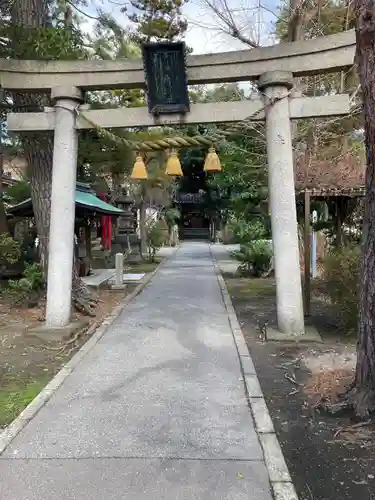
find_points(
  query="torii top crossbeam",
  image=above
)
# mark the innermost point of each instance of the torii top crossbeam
(306, 57)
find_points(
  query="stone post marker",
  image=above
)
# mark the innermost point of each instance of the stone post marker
(118, 283)
(61, 242)
(119, 277)
(274, 85)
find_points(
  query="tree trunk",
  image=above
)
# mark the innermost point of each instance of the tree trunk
(38, 147)
(4, 227)
(116, 191)
(39, 154)
(365, 58)
(339, 223)
(142, 227)
(297, 9)
(82, 298)
(360, 396)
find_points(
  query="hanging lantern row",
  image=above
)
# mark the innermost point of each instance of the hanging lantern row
(173, 165)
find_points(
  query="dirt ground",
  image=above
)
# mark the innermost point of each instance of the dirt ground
(27, 363)
(328, 458)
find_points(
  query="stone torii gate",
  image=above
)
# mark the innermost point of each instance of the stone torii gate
(272, 67)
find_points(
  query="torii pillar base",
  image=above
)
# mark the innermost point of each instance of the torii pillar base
(49, 334)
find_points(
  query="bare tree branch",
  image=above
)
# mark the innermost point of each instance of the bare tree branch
(241, 22)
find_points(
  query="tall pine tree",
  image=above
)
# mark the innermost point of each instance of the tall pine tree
(157, 20)
(36, 32)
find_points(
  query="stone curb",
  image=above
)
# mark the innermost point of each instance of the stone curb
(15, 427)
(281, 482)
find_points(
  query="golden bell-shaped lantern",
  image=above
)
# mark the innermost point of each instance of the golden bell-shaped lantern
(173, 166)
(212, 162)
(139, 171)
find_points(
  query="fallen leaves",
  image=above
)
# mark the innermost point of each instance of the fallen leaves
(327, 384)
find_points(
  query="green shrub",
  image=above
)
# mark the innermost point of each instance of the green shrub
(341, 282)
(10, 250)
(19, 287)
(245, 231)
(34, 274)
(255, 258)
(26, 289)
(157, 231)
(172, 216)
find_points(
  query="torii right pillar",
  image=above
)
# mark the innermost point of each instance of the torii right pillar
(275, 89)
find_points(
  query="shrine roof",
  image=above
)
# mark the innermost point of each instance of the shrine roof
(86, 202)
(343, 175)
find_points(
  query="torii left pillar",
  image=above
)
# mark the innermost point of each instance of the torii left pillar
(61, 234)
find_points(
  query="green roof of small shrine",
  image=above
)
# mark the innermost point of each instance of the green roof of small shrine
(86, 201)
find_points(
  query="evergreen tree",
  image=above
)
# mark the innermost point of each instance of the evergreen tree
(361, 394)
(157, 20)
(32, 34)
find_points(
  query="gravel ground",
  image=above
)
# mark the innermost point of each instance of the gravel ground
(328, 458)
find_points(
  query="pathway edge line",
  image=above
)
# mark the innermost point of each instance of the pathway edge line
(279, 476)
(19, 423)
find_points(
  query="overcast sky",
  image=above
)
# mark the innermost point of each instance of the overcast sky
(204, 34)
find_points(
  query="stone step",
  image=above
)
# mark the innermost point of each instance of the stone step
(129, 278)
(194, 233)
(99, 278)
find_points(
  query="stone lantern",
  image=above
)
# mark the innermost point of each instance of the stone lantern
(126, 226)
(126, 222)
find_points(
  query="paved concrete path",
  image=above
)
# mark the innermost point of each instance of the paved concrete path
(156, 410)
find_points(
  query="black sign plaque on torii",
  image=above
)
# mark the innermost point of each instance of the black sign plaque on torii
(166, 78)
